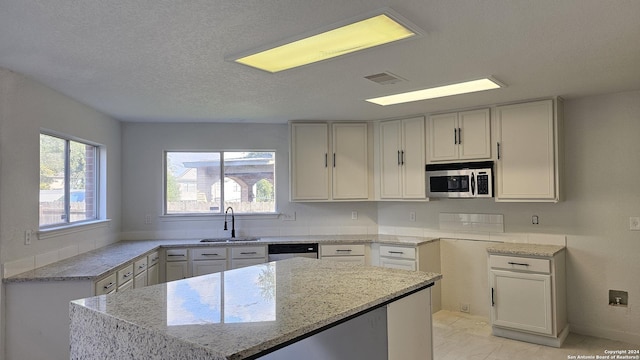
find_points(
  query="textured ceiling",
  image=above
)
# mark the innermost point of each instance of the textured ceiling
(161, 60)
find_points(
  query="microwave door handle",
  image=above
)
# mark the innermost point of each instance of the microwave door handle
(473, 184)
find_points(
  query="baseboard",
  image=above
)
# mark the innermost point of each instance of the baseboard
(532, 338)
(617, 335)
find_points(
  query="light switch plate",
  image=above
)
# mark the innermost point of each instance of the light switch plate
(634, 223)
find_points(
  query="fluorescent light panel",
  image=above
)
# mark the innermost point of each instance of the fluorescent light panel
(437, 92)
(356, 36)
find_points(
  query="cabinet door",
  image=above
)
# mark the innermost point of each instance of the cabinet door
(238, 263)
(140, 280)
(521, 301)
(203, 267)
(413, 159)
(443, 137)
(177, 270)
(350, 161)
(309, 161)
(153, 275)
(390, 158)
(474, 134)
(526, 152)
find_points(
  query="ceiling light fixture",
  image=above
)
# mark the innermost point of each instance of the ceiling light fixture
(437, 92)
(373, 29)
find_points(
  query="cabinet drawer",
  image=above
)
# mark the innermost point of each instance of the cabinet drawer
(520, 263)
(176, 255)
(106, 285)
(140, 266)
(125, 274)
(249, 252)
(209, 253)
(398, 264)
(341, 250)
(398, 252)
(153, 259)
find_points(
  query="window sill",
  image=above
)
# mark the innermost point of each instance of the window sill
(208, 217)
(70, 229)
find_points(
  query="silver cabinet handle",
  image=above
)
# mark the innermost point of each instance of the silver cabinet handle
(396, 252)
(455, 136)
(398, 157)
(344, 250)
(248, 253)
(109, 285)
(175, 255)
(402, 157)
(334, 159)
(142, 266)
(127, 275)
(210, 255)
(325, 159)
(459, 135)
(498, 151)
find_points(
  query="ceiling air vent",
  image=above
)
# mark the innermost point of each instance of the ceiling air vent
(385, 78)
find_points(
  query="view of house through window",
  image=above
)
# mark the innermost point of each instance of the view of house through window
(193, 182)
(68, 181)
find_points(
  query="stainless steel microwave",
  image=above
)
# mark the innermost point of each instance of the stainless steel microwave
(464, 180)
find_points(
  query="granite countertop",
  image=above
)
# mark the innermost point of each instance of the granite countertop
(98, 263)
(243, 312)
(525, 249)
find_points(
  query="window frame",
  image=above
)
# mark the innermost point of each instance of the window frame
(221, 209)
(97, 176)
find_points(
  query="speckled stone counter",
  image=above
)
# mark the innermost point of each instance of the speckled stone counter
(237, 314)
(525, 249)
(95, 264)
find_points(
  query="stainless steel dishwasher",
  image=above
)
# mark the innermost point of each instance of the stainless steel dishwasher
(286, 251)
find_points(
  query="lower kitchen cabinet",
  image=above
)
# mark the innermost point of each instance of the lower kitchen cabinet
(208, 260)
(528, 298)
(242, 256)
(420, 257)
(351, 253)
(176, 264)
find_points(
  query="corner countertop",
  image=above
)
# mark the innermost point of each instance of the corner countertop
(98, 263)
(239, 313)
(525, 249)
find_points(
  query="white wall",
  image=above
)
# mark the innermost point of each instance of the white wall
(144, 144)
(25, 108)
(601, 191)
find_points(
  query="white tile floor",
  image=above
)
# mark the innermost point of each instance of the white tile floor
(461, 336)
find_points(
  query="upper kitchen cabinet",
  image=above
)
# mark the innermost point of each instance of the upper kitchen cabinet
(329, 161)
(527, 151)
(460, 136)
(402, 159)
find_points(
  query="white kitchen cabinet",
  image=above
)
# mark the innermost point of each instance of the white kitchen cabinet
(527, 148)
(460, 136)
(242, 256)
(125, 278)
(176, 264)
(329, 161)
(424, 256)
(106, 285)
(140, 273)
(351, 253)
(527, 298)
(208, 260)
(402, 159)
(153, 268)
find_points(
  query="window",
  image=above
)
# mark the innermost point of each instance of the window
(209, 182)
(68, 181)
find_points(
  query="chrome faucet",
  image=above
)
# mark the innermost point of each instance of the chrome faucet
(233, 221)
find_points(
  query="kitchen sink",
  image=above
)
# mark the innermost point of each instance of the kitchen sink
(228, 239)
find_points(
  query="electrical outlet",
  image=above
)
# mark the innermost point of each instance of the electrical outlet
(535, 220)
(288, 217)
(634, 223)
(465, 308)
(27, 237)
(354, 215)
(412, 216)
(147, 219)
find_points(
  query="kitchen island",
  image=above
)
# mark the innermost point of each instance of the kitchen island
(275, 310)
